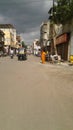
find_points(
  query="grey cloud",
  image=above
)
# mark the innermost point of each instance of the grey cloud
(25, 15)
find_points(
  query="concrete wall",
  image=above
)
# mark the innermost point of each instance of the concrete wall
(71, 44)
(69, 27)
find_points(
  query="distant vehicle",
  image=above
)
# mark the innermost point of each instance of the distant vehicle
(22, 54)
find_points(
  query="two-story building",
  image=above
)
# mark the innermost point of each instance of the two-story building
(44, 35)
(36, 47)
(64, 41)
(10, 34)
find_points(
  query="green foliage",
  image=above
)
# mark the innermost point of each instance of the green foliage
(23, 44)
(63, 11)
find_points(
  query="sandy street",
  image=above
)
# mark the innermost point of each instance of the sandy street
(35, 96)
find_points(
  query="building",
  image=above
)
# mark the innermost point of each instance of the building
(45, 39)
(64, 41)
(1, 41)
(36, 47)
(18, 41)
(18, 38)
(10, 34)
(44, 33)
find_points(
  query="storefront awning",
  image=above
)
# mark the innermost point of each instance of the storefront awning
(62, 39)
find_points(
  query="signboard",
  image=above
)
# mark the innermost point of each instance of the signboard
(62, 39)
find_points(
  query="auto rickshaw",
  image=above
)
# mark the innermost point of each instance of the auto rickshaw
(22, 53)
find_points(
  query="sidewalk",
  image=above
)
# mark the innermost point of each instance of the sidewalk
(61, 64)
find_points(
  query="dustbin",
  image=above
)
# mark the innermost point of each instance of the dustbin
(71, 59)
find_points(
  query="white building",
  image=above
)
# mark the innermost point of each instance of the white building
(36, 47)
(44, 33)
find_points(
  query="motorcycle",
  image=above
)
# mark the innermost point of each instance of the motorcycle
(11, 56)
(11, 53)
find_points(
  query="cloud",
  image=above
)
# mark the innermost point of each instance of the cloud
(30, 35)
(25, 15)
(1, 18)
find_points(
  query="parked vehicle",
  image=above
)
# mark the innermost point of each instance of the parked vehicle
(22, 54)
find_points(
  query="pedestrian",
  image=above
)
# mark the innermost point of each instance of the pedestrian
(43, 56)
(11, 53)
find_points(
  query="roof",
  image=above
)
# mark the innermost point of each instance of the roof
(6, 26)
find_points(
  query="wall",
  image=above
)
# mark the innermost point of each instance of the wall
(10, 36)
(6, 36)
(71, 44)
(44, 33)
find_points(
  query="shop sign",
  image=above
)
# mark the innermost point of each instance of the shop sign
(62, 39)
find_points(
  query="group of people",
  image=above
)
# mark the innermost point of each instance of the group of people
(52, 58)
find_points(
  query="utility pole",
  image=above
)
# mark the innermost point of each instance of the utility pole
(54, 33)
(53, 7)
(52, 28)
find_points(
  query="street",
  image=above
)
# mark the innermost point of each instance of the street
(35, 96)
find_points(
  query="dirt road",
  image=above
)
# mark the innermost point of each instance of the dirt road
(35, 96)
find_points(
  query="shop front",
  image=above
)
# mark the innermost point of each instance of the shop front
(62, 43)
(1, 42)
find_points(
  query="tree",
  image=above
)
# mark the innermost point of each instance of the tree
(60, 13)
(63, 11)
(23, 44)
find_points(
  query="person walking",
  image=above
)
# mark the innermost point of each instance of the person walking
(43, 56)
(11, 53)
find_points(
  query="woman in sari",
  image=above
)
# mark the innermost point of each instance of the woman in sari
(43, 56)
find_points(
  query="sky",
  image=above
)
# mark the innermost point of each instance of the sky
(26, 16)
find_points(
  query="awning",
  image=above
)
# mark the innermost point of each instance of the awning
(62, 39)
